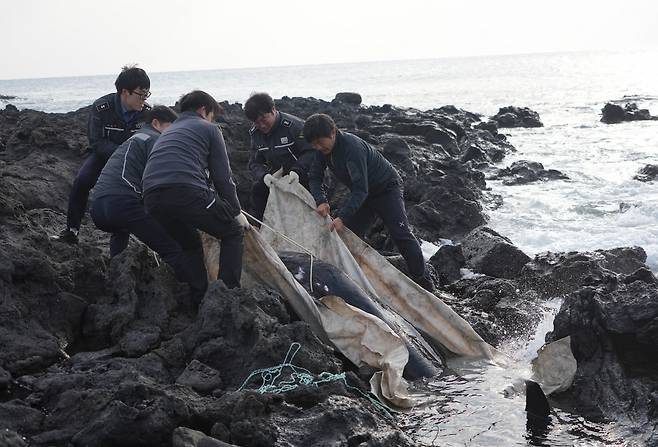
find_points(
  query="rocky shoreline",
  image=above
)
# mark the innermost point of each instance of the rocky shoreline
(108, 353)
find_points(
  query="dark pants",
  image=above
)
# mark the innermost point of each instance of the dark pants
(260, 193)
(182, 210)
(84, 181)
(125, 215)
(389, 205)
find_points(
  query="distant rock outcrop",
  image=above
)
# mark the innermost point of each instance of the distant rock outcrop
(523, 171)
(613, 113)
(348, 98)
(647, 174)
(517, 117)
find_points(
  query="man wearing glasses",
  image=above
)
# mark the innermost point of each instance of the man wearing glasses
(112, 120)
(277, 141)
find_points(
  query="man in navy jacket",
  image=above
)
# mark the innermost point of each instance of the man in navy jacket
(375, 186)
(277, 142)
(113, 119)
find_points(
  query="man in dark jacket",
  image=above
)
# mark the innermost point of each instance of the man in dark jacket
(375, 186)
(117, 205)
(113, 119)
(277, 141)
(188, 185)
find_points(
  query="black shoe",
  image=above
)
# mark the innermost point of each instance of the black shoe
(68, 235)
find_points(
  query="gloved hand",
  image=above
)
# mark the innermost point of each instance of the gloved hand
(292, 177)
(242, 220)
(268, 180)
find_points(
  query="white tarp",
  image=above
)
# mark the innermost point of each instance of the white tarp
(291, 211)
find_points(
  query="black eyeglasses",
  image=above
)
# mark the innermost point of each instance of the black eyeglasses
(143, 95)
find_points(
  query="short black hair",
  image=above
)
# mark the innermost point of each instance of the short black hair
(161, 113)
(317, 126)
(131, 78)
(196, 99)
(257, 104)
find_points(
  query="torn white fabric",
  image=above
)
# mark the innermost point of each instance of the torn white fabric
(555, 366)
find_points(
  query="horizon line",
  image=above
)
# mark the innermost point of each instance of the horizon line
(336, 63)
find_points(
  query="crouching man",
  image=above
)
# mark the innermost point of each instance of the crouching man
(188, 185)
(117, 205)
(375, 186)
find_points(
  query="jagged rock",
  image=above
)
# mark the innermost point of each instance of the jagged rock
(648, 173)
(9, 438)
(10, 109)
(614, 334)
(523, 172)
(447, 262)
(558, 274)
(496, 308)
(20, 416)
(511, 116)
(492, 254)
(348, 98)
(397, 146)
(201, 377)
(613, 113)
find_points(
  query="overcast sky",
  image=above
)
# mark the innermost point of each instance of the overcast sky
(45, 38)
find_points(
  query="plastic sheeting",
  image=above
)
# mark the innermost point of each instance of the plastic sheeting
(291, 211)
(555, 366)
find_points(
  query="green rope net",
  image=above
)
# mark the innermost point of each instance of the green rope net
(287, 376)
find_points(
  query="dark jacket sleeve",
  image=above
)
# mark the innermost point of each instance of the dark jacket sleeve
(257, 163)
(316, 178)
(303, 151)
(358, 170)
(96, 135)
(220, 170)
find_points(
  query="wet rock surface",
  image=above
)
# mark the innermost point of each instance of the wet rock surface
(512, 116)
(614, 113)
(110, 352)
(648, 173)
(614, 331)
(523, 172)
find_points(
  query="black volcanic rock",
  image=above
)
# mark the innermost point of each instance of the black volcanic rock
(648, 173)
(558, 274)
(524, 171)
(348, 98)
(614, 334)
(447, 262)
(492, 254)
(511, 116)
(613, 113)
